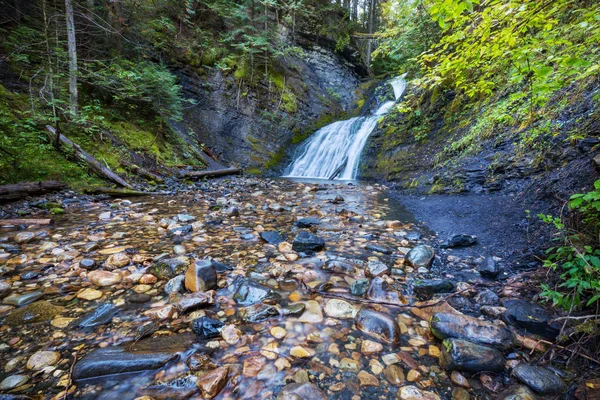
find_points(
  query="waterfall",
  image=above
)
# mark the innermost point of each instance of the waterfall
(333, 152)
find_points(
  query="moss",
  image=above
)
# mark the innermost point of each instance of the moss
(57, 211)
(275, 159)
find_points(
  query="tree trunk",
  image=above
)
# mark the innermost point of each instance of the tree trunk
(370, 40)
(355, 10)
(144, 173)
(72, 45)
(210, 174)
(94, 164)
(27, 221)
(21, 190)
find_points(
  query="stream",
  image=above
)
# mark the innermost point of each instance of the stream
(245, 288)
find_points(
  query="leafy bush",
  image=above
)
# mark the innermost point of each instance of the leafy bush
(577, 259)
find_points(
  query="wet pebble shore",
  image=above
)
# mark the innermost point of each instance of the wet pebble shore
(258, 289)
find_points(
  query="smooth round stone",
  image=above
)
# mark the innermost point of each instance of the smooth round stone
(341, 309)
(42, 359)
(104, 278)
(13, 381)
(22, 299)
(278, 332)
(24, 237)
(420, 256)
(179, 249)
(89, 294)
(369, 347)
(378, 325)
(141, 288)
(312, 313)
(118, 260)
(414, 393)
(231, 334)
(459, 379)
(87, 263)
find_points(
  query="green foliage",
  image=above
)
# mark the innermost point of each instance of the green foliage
(577, 259)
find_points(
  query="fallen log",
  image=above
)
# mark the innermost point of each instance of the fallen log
(210, 174)
(20, 190)
(94, 164)
(118, 192)
(26, 221)
(144, 173)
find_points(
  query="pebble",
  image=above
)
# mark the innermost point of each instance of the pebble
(369, 347)
(104, 278)
(278, 332)
(89, 294)
(366, 379)
(13, 381)
(339, 309)
(42, 359)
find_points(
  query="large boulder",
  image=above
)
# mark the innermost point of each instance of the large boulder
(462, 355)
(378, 325)
(458, 326)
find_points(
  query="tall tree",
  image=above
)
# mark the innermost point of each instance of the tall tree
(72, 48)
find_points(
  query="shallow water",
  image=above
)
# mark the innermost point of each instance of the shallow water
(347, 226)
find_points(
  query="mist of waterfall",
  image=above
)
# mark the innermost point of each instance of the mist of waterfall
(333, 152)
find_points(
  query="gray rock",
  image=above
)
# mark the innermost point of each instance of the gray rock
(540, 379)
(248, 292)
(377, 268)
(167, 268)
(462, 355)
(100, 315)
(301, 391)
(175, 285)
(185, 218)
(87, 263)
(145, 355)
(448, 325)
(201, 276)
(5, 288)
(378, 325)
(22, 299)
(420, 256)
(359, 287)
(13, 381)
(380, 290)
(308, 222)
(378, 249)
(207, 328)
(517, 392)
(272, 237)
(486, 298)
(530, 317)
(429, 287)
(488, 268)
(460, 240)
(307, 242)
(258, 312)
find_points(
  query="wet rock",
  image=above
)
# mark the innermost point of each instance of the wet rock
(232, 212)
(184, 218)
(118, 260)
(5, 288)
(87, 263)
(394, 375)
(89, 294)
(200, 361)
(339, 267)
(301, 391)
(380, 290)
(36, 312)
(294, 309)
(369, 347)
(248, 292)
(272, 237)
(213, 382)
(30, 275)
(201, 276)
(230, 334)
(163, 313)
(459, 379)
(420, 256)
(493, 312)
(449, 325)
(378, 325)
(13, 381)
(312, 313)
(180, 388)
(359, 287)
(488, 268)
(459, 393)
(307, 222)
(378, 249)
(207, 328)
(145, 355)
(167, 268)
(366, 379)
(105, 216)
(275, 207)
(42, 359)
(486, 298)
(540, 379)
(175, 285)
(466, 356)
(377, 268)
(194, 301)
(339, 309)
(100, 315)
(104, 278)
(22, 299)
(301, 352)
(460, 240)
(427, 288)
(258, 312)
(414, 393)
(517, 392)
(530, 317)
(24, 237)
(307, 242)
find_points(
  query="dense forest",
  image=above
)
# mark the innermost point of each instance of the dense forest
(300, 199)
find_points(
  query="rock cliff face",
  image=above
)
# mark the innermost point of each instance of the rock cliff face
(252, 126)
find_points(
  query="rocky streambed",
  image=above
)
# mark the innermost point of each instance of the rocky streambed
(261, 289)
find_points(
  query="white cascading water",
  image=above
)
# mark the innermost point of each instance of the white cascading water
(333, 152)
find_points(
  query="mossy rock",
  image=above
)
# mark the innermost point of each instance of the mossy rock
(57, 211)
